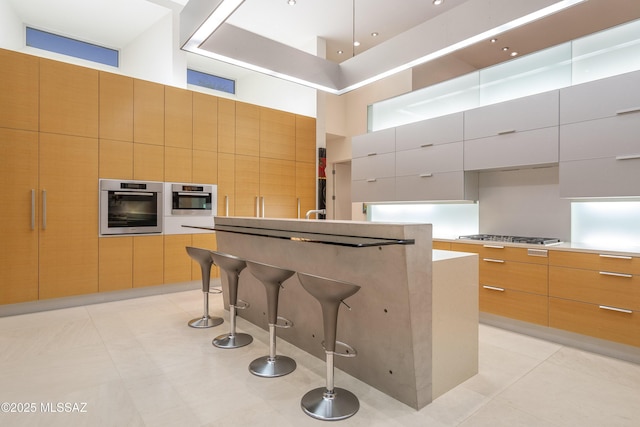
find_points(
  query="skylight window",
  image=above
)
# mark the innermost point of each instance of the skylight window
(71, 47)
(211, 81)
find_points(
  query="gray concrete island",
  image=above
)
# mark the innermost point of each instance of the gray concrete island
(400, 335)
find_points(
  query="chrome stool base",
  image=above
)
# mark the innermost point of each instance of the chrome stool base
(269, 367)
(232, 341)
(319, 403)
(206, 322)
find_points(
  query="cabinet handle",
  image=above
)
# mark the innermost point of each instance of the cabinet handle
(493, 246)
(426, 145)
(628, 157)
(371, 180)
(257, 207)
(607, 273)
(226, 205)
(493, 288)
(33, 209)
(628, 110)
(426, 175)
(501, 261)
(44, 209)
(619, 310)
(262, 207)
(538, 252)
(371, 154)
(505, 132)
(298, 203)
(615, 256)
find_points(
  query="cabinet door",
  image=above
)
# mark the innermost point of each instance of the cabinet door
(226, 125)
(278, 188)
(20, 224)
(440, 130)
(178, 117)
(148, 162)
(277, 134)
(373, 166)
(430, 159)
(205, 122)
(305, 139)
(437, 186)
(68, 99)
(247, 129)
(380, 142)
(247, 190)
(148, 261)
(116, 159)
(116, 107)
(69, 226)
(305, 188)
(205, 167)
(374, 190)
(148, 112)
(178, 164)
(226, 184)
(19, 90)
(116, 263)
(609, 177)
(177, 263)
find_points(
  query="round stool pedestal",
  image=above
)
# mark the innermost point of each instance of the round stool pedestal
(321, 404)
(203, 257)
(232, 266)
(267, 367)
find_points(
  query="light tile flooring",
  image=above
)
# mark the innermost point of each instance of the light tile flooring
(137, 363)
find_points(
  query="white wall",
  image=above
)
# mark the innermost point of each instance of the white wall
(12, 34)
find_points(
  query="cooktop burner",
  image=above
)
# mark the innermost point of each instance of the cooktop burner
(513, 239)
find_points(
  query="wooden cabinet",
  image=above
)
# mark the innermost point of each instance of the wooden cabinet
(116, 159)
(247, 129)
(148, 112)
(305, 139)
(226, 184)
(513, 281)
(247, 186)
(68, 99)
(278, 188)
(148, 261)
(305, 188)
(445, 246)
(19, 90)
(116, 107)
(205, 167)
(69, 211)
(277, 134)
(226, 126)
(115, 270)
(21, 223)
(205, 122)
(178, 164)
(177, 263)
(178, 118)
(596, 295)
(148, 162)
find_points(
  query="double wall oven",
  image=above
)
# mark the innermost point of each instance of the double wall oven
(130, 207)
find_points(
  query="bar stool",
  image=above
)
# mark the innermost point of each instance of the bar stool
(272, 277)
(232, 266)
(329, 403)
(203, 257)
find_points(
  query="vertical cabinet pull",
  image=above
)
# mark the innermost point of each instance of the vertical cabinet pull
(298, 203)
(44, 209)
(257, 207)
(226, 205)
(262, 206)
(33, 209)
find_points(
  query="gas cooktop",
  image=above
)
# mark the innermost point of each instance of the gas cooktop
(513, 239)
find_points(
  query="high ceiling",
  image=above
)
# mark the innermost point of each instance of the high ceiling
(116, 23)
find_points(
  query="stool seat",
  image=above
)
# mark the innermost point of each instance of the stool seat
(203, 257)
(329, 403)
(232, 266)
(272, 278)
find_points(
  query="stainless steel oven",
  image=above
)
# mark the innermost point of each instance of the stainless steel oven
(130, 207)
(192, 199)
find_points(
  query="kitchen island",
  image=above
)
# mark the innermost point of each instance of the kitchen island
(398, 322)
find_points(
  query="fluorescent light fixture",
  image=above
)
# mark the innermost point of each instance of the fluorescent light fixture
(227, 7)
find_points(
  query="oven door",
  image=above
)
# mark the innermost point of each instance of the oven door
(191, 200)
(130, 208)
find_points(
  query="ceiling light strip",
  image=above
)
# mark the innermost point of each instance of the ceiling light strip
(219, 15)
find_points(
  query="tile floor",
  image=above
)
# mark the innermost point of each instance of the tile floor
(137, 363)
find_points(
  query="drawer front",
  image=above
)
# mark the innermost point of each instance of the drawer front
(595, 287)
(375, 166)
(444, 246)
(614, 95)
(440, 130)
(600, 262)
(592, 320)
(501, 252)
(610, 137)
(514, 275)
(515, 305)
(608, 177)
(436, 186)
(533, 147)
(531, 112)
(437, 158)
(380, 142)
(377, 190)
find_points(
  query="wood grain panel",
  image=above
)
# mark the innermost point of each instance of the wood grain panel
(278, 187)
(116, 107)
(593, 261)
(515, 305)
(148, 261)
(148, 112)
(178, 164)
(205, 122)
(68, 99)
(305, 139)
(116, 159)
(591, 320)
(247, 129)
(69, 243)
(277, 134)
(19, 90)
(247, 183)
(499, 251)
(148, 162)
(226, 125)
(178, 117)
(177, 263)
(445, 246)
(19, 241)
(205, 167)
(514, 275)
(305, 187)
(226, 183)
(116, 263)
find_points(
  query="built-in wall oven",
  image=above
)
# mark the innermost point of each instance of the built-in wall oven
(130, 207)
(191, 199)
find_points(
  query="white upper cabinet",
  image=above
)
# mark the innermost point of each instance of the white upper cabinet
(374, 143)
(430, 159)
(617, 136)
(523, 114)
(373, 167)
(605, 177)
(610, 97)
(426, 133)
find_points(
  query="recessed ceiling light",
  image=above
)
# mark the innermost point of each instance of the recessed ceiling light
(514, 53)
(504, 49)
(340, 52)
(438, 2)
(493, 40)
(292, 2)
(374, 34)
(356, 43)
